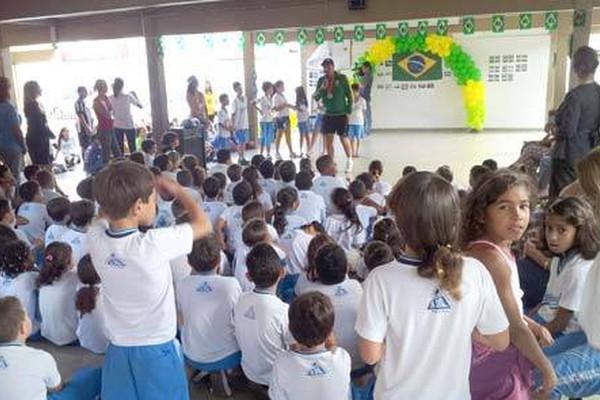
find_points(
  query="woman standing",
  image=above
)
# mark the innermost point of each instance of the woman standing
(209, 96)
(12, 145)
(103, 110)
(38, 134)
(121, 104)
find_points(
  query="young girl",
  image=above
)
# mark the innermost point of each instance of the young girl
(252, 176)
(88, 302)
(264, 105)
(344, 225)
(303, 117)
(496, 215)
(572, 235)
(66, 145)
(58, 285)
(427, 333)
(282, 121)
(356, 121)
(285, 220)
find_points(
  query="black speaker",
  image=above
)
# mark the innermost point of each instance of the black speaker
(191, 141)
(357, 4)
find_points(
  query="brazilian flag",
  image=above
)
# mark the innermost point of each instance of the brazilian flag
(416, 66)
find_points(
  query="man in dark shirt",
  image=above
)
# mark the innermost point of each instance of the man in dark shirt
(365, 91)
(85, 128)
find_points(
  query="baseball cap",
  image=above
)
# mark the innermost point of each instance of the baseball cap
(327, 61)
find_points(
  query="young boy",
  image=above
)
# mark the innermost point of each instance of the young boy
(234, 175)
(369, 182)
(93, 160)
(345, 294)
(282, 121)
(82, 214)
(268, 183)
(185, 179)
(59, 210)
(46, 180)
(316, 369)
(231, 219)
(149, 149)
(33, 211)
(223, 162)
(267, 126)
(356, 121)
(142, 359)
(239, 116)
(212, 204)
(325, 184)
(261, 320)
(312, 206)
(224, 127)
(376, 171)
(287, 173)
(27, 373)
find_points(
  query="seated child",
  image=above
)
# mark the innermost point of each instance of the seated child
(149, 149)
(376, 254)
(93, 161)
(189, 162)
(28, 373)
(269, 184)
(285, 219)
(33, 211)
(252, 176)
(409, 169)
(58, 285)
(46, 180)
(82, 215)
(234, 175)
(311, 206)
(91, 331)
(379, 186)
(252, 209)
(344, 225)
(287, 173)
(371, 194)
(212, 204)
(315, 369)
(30, 172)
(59, 210)
(261, 320)
(185, 179)
(137, 157)
(68, 148)
(345, 294)
(366, 209)
(8, 219)
(223, 162)
(327, 182)
(231, 219)
(309, 274)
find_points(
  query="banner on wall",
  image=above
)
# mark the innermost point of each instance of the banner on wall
(416, 66)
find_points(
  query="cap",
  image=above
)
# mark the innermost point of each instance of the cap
(327, 61)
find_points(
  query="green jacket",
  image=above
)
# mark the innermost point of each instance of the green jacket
(341, 101)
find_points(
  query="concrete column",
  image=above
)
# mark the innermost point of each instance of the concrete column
(581, 34)
(559, 55)
(157, 85)
(251, 86)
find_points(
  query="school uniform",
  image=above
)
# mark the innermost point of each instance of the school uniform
(294, 222)
(349, 236)
(426, 331)
(91, 330)
(76, 237)
(139, 310)
(228, 195)
(54, 233)
(266, 201)
(303, 119)
(377, 198)
(282, 121)
(324, 374)
(356, 120)
(240, 268)
(48, 195)
(223, 135)
(271, 187)
(233, 221)
(324, 185)
(267, 126)
(206, 302)
(298, 260)
(38, 219)
(24, 288)
(57, 309)
(214, 209)
(218, 167)
(311, 206)
(239, 112)
(261, 328)
(367, 216)
(164, 213)
(194, 194)
(382, 187)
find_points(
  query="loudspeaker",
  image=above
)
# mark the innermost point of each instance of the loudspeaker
(191, 141)
(357, 4)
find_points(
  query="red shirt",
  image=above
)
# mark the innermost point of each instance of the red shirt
(103, 109)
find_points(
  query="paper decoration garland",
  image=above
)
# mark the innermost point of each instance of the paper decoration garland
(463, 68)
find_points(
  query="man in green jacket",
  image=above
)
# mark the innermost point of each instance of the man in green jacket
(333, 90)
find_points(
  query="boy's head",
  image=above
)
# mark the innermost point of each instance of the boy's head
(174, 159)
(85, 188)
(267, 169)
(224, 100)
(267, 88)
(30, 192)
(189, 162)
(205, 255)
(14, 323)
(311, 317)
(222, 180)
(376, 169)
(409, 169)
(355, 88)
(223, 156)
(161, 161)
(242, 193)
(59, 209)
(326, 165)
(287, 171)
(377, 253)
(170, 141)
(45, 178)
(30, 172)
(256, 160)
(234, 172)
(149, 146)
(82, 92)
(82, 213)
(264, 266)
(211, 187)
(184, 178)
(445, 172)
(279, 86)
(126, 190)
(357, 189)
(253, 209)
(304, 180)
(255, 231)
(331, 264)
(491, 164)
(306, 165)
(137, 157)
(367, 179)
(237, 88)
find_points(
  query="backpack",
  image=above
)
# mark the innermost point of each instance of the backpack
(93, 159)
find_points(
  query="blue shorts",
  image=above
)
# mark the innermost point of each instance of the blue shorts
(267, 133)
(318, 121)
(84, 385)
(304, 128)
(242, 136)
(221, 143)
(228, 362)
(144, 372)
(356, 131)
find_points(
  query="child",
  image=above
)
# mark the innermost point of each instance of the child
(376, 171)
(212, 204)
(29, 373)
(261, 321)
(312, 206)
(172, 165)
(67, 147)
(282, 121)
(496, 215)
(316, 369)
(268, 183)
(356, 121)
(46, 180)
(445, 172)
(572, 235)
(141, 135)
(285, 219)
(138, 157)
(223, 162)
(345, 294)
(491, 164)
(324, 184)
(59, 210)
(33, 211)
(387, 231)
(252, 176)
(256, 160)
(305, 246)
(149, 149)
(366, 209)
(224, 127)
(344, 225)
(58, 284)
(451, 299)
(409, 169)
(30, 172)
(234, 175)
(372, 195)
(287, 174)
(185, 179)
(267, 126)
(18, 278)
(8, 220)
(303, 119)
(251, 210)
(91, 331)
(239, 117)
(93, 158)
(231, 219)
(82, 214)
(140, 319)
(376, 254)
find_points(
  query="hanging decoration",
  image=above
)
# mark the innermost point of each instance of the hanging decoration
(359, 33)
(498, 23)
(403, 29)
(463, 68)
(302, 37)
(279, 38)
(422, 27)
(380, 31)
(579, 18)
(551, 20)
(442, 27)
(468, 25)
(338, 34)
(525, 21)
(261, 38)
(320, 35)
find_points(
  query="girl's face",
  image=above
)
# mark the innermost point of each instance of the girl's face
(507, 218)
(65, 134)
(560, 236)
(269, 91)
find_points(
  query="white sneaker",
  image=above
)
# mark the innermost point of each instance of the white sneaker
(349, 165)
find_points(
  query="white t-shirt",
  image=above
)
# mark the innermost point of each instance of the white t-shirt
(54, 233)
(345, 297)
(382, 187)
(377, 198)
(91, 330)
(589, 317)
(26, 373)
(77, 239)
(49, 194)
(346, 234)
(265, 199)
(239, 111)
(357, 116)
(37, 218)
(565, 289)
(303, 113)
(279, 100)
(311, 207)
(206, 303)
(24, 288)
(164, 213)
(240, 268)
(181, 269)
(261, 328)
(228, 195)
(367, 216)
(139, 301)
(218, 167)
(224, 121)
(302, 376)
(238, 242)
(57, 309)
(324, 185)
(233, 221)
(122, 110)
(68, 147)
(297, 256)
(265, 105)
(214, 209)
(294, 222)
(194, 194)
(426, 332)
(271, 187)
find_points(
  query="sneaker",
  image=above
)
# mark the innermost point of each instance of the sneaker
(349, 165)
(243, 161)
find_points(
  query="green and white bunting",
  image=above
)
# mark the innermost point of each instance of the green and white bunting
(468, 25)
(320, 35)
(403, 29)
(279, 38)
(579, 18)
(525, 21)
(261, 38)
(442, 27)
(359, 33)
(380, 31)
(498, 23)
(302, 37)
(422, 28)
(551, 20)
(242, 40)
(338, 34)
(209, 40)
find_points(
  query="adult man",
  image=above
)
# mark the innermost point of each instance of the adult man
(365, 91)
(334, 91)
(85, 128)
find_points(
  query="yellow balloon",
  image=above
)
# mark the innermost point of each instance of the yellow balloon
(293, 120)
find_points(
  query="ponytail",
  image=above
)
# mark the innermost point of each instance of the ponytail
(57, 261)
(286, 198)
(445, 265)
(251, 175)
(85, 300)
(343, 200)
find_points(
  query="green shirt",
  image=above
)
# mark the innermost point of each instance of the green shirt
(340, 103)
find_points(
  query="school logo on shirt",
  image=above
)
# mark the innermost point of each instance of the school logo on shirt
(3, 363)
(50, 237)
(439, 303)
(340, 291)
(114, 262)
(250, 314)
(76, 241)
(204, 288)
(316, 370)
(322, 184)
(25, 207)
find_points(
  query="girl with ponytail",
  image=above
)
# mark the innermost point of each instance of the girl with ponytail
(90, 330)
(496, 215)
(285, 219)
(343, 225)
(426, 305)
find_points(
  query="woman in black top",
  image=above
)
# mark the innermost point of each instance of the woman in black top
(38, 134)
(577, 121)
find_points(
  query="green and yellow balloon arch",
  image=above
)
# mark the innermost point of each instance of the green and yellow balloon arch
(463, 68)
